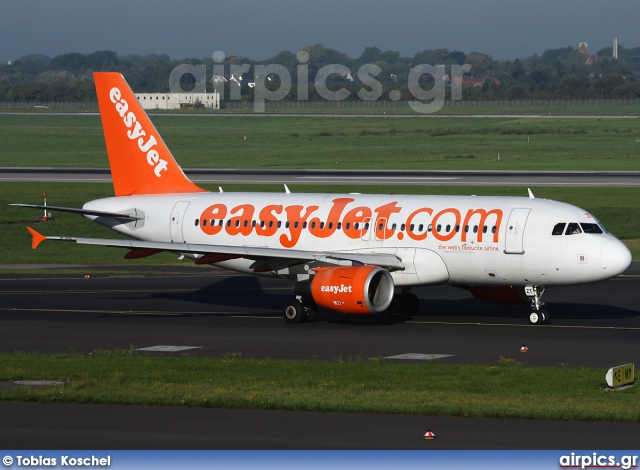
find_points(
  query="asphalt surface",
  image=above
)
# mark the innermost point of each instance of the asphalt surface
(218, 313)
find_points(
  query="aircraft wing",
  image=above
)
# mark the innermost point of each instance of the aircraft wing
(218, 253)
(118, 215)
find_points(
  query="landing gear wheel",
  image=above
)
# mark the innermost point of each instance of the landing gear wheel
(538, 317)
(294, 312)
(545, 316)
(404, 304)
(412, 303)
(311, 310)
(397, 306)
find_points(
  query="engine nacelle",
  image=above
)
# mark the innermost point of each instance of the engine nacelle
(508, 295)
(353, 289)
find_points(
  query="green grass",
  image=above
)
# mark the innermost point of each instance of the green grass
(358, 143)
(506, 389)
(616, 208)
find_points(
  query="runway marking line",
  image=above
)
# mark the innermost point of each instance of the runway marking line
(584, 327)
(121, 312)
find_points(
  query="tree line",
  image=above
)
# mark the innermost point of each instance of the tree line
(564, 73)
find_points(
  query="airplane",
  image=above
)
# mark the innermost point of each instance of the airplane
(351, 253)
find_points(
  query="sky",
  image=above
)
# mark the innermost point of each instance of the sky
(260, 29)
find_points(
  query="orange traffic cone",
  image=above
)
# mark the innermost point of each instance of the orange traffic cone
(429, 434)
(524, 348)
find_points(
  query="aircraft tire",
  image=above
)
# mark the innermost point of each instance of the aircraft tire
(537, 317)
(311, 310)
(397, 306)
(294, 312)
(411, 303)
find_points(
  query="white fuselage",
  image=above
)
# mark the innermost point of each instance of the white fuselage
(461, 240)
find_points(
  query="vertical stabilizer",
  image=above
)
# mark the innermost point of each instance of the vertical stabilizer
(140, 161)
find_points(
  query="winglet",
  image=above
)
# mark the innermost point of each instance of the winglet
(37, 238)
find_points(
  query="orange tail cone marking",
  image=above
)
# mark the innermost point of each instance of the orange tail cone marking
(37, 238)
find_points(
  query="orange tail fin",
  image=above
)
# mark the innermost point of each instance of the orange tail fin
(140, 161)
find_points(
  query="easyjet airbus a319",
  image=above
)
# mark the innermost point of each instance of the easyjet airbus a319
(352, 253)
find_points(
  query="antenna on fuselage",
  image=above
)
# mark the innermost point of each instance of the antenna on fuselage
(220, 188)
(286, 188)
(531, 196)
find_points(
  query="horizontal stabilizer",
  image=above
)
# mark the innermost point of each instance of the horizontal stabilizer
(118, 215)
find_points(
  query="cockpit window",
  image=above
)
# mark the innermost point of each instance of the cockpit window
(591, 228)
(558, 229)
(573, 228)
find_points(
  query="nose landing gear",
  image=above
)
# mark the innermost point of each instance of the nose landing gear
(538, 315)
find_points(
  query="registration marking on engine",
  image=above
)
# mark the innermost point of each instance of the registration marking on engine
(418, 356)
(168, 348)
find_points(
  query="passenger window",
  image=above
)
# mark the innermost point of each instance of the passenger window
(402, 227)
(198, 220)
(558, 229)
(484, 229)
(475, 229)
(420, 228)
(591, 228)
(573, 229)
(204, 223)
(493, 229)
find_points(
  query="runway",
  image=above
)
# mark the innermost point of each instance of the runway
(594, 326)
(613, 179)
(218, 313)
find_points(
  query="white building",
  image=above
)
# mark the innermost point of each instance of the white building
(179, 100)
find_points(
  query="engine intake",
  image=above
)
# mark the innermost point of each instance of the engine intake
(353, 289)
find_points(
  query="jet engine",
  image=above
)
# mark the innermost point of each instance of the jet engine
(351, 289)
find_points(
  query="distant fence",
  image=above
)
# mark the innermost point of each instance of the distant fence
(354, 104)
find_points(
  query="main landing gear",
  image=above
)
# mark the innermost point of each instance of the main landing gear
(403, 304)
(299, 311)
(538, 315)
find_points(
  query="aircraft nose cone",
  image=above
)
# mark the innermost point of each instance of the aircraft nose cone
(615, 258)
